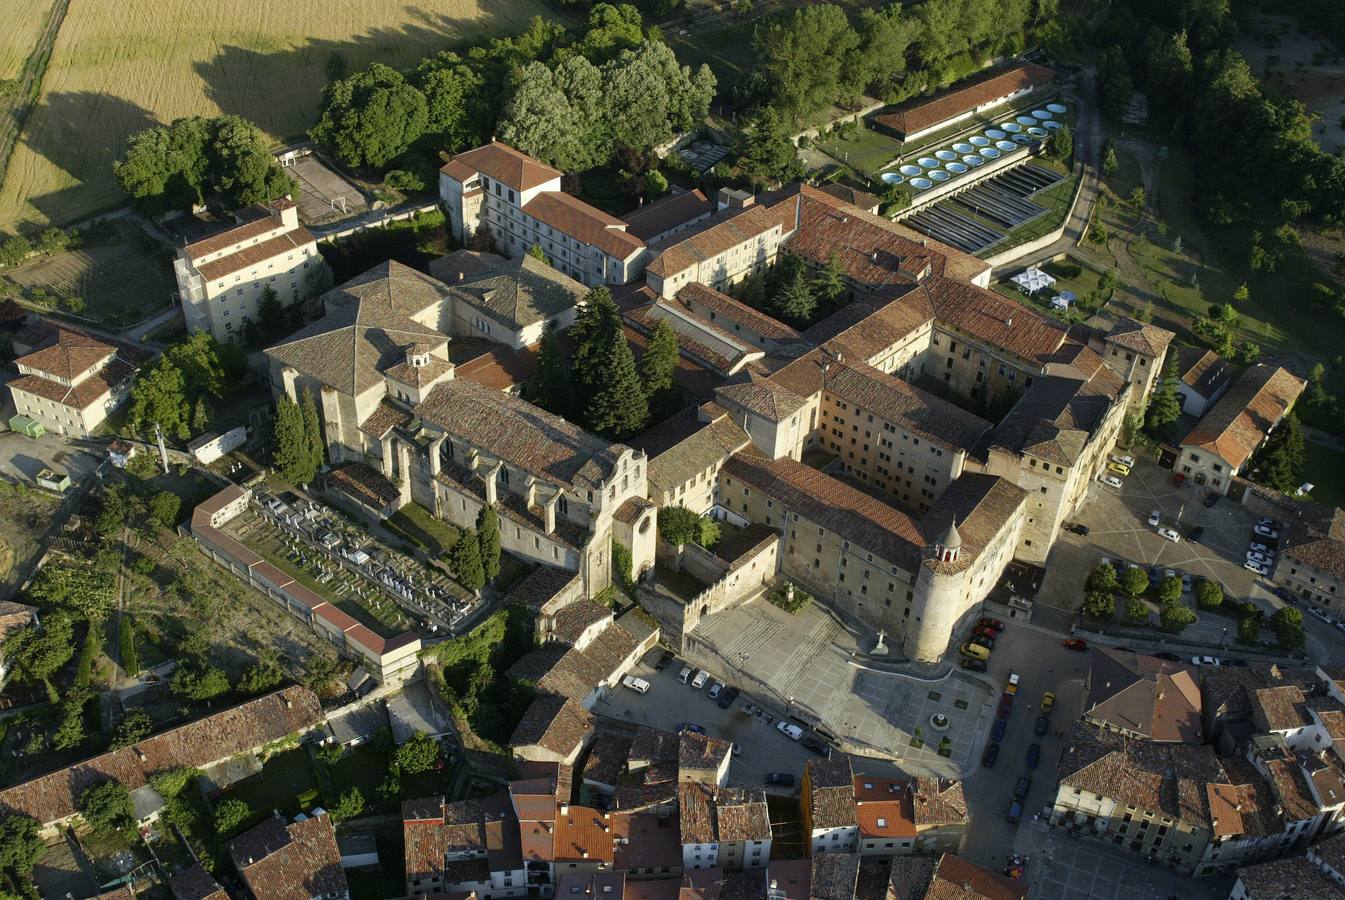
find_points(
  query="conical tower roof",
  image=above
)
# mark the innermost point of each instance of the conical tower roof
(951, 540)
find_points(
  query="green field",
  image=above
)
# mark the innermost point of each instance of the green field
(1325, 468)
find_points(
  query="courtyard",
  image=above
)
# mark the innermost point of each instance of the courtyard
(811, 666)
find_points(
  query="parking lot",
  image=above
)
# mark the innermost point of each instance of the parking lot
(1064, 868)
(1117, 521)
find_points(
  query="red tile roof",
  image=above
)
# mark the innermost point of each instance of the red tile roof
(572, 216)
(503, 163)
(921, 115)
(67, 353)
(1237, 424)
(295, 861)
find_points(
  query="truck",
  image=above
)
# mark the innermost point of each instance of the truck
(1012, 686)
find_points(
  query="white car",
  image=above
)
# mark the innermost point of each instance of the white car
(1268, 533)
(1204, 661)
(638, 685)
(698, 682)
(1256, 567)
(1260, 558)
(1154, 518)
(1319, 613)
(1259, 548)
(1127, 461)
(793, 732)
(1169, 534)
(716, 690)
(1110, 481)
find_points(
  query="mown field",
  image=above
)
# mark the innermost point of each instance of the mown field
(23, 21)
(120, 67)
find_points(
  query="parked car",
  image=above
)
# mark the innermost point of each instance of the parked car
(1043, 725)
(698, 682)
(639, 685)
(1258, 568)
(1154, 518)
(1022, 787)
(985, 632)
(790, 730)
(1155, 575)
(1268, 522)
(1005, 706)
(691, 727)
(987, 622)
(1186, 582)
(1169, 534)
(1033, 756)
(684, 676)
(1204, 661)
(1320, 613)
(816, 745)
(1074, 644)
(981, 640)
(1118, 468)
(1255, 547)
(716, 690)
(1123, 459)
(780, 779)
(1195, 534)
(1260, 559)
(974, 665)
(975, 651)
(1077, 528)
(1266, 531)
(997, 730)
(990, 755)
(664, 661)
(726, 699)
(1015, 812)
(1047, 701)
(1110, 480)
(1212, 499)
(1170, 657)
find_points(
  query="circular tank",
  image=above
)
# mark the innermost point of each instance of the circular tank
(962, 147)
(1005, 145)
(921, 183)
(1055, 107)
(1051, 125)
(1011, 127)
(1042, 113)
(909, 169)
(995, 134)
(939, 175)
(928, 162)
(1021, 139)
(974, 160)
(946, 155)
(1037, 132)
(893, 178)
(989, 152)
(980, 141)
(956, 168)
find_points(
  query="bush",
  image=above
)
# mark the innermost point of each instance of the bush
(134, 727)
(171, 782)
(1134, 582)
(230, 816)
(1102, 578)
(1099, 604)
(1249, 631)
(349, 806)
(107, 807)
(1170, 589)
(1209, 594)
(1137, 612)
(165, 507)
(130, 659)
(1175, 617)
(679, 525)
(1288, 625)
(404, 181)
(419, 754)
(789, 597)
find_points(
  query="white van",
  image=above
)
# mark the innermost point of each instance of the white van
(698, 682)
(685, 675)
(638, 685)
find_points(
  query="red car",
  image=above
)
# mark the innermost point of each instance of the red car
(1178, 480)
(985, 631)
(1074, 644)
(991, 623)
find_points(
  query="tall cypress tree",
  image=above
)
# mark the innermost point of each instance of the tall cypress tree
(796, 301)
(660, 359)
(290, 453)
(1165, 406)
(488, 535)
(604, 369)
(313, 442)
(553, 389)
(467, 568)
(1279, 463)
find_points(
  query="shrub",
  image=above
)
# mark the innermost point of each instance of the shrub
(789, 597)
(679, 525)
(1209, 594)
(1249, 631)
(404, 181)
(107, 807)
(1175, 617)
(230, 815)
(1102, 578)
(1099, 604)
(171, 782)
(349, 806)
(419, 754)
(1137, 612)
(1170, 589)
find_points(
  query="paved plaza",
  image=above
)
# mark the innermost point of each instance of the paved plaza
(809, 664)
(1063, 868)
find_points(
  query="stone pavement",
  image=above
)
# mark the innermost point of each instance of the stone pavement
(809, 664)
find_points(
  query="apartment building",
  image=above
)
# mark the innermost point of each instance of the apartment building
(725, 828)
(742, 237)
(519, 201)
(221, 278)
(469, 845)
(280, 859)
(69, 382)
(829, 818)
(1223, 442)
(1312, 558)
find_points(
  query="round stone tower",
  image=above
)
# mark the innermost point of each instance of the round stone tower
(938, 600)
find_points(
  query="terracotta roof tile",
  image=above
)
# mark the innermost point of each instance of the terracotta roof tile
(725, 307)
(66, 353)
(295, 861)
(502, 163)
(716, 235)
(588, 224)
(917, 116)
(663, 215)
(1143, 337)
(553, 723)
(901, 403)
(253, 254)
(957, 879)
(1282, 879)
(1316, 537)
(1204, 371)
(1237, 424)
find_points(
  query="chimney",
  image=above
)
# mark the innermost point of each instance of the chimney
(1009, 321)
(532, 492)
(492, 483)
(549, 512)
(583, 854)
(289, 704)
(565, 809)
(461, 275)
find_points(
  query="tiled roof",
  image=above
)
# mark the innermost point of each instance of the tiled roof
(1316, 537)
(663, 215)
(834, 876)
(832, 804)
(1237, 424)
(1332, 852)
(761, 396)
(993, 319)
(708, 446)
(540, 586)
(554, 723)
(652, 746)
(385, 417)
(583, 833)
(521, 434)
(195, 883)
(1293, 878)
(980, 505)
(1283, 708)
(870, 250)
(650, 840)
(901, 403)
(705, 241)
(1204, 371)
(741, 815)
(253, 222)
(587, 224)
(516, 293)
(251, 255)
(853, 196)
(698, 751)
(911, 877)
(504, 164)
(607, 758)
(367, 328)
(1142, 337)
(1145, 695)
(854, 515)
(573, 619)
(920, 115)
(295, 861)
(957, 879)
(1289, 783)
(52, 797)
(81, 396)
(14, 616)
(1053, 420)
(884, 807)
(733, 312)
(939, 802)
(66, 353)
(573, 673)
(419, 376)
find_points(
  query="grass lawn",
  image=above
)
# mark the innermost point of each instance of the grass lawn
(419, 526)
(1127, 175)
(1082, 285)
(284, 777)
(363, 767)
(605, 188)
(1325, 468)
(867, 151)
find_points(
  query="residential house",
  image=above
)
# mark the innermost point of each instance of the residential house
(1203, 376)
(466, 846)
(727, 828)
(69, 381)
(1143, 697)
(553, 729)
(508, 301)
(829, 815)
(1282, 878)
(1312, 558)
(281, 860)
(702, 759)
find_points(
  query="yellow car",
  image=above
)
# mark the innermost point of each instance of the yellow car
(975, 651)
(1118, 468)
(1047, 702)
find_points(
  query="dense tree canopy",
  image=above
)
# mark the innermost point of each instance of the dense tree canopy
(371, 117)
(176, 392)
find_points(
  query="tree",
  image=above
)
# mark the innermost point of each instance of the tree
(537, 253)
(1209, 594)
(1114, 84)
(230, 816)
(539, 120)
(1288, 625)
(314, 445)
(611, 28)
(15, 250)
(660, 360)
(1137, 612)
(196, 683)
(655, 184)
(164, 507)
(1060, 144)
(552, 388)
(1279, 462)
(241, 167)
(637, 104)
(1170, 589)
(802, 55)
(1102, 578)
(1165, 404)
(1134, 582)
(1099, 604)
(159, 397)
(107, 807)
(456, 106)
(291, 452)
(350, 805)
(84, 590)
(879, 65)
(70, 733)
(419, 754)
(20, 846)
(371, 118)
(466, 558)
(796, 302)
(829, 283)
(132, 728)
(262, 675)
(1249, 630)
(1109, 161)
(488, 534)
(679, 525)
(271, 317)
(1174, 617)
(604, 369)
(623, 565)
(769, 152)
(38, 651)
(130, 659)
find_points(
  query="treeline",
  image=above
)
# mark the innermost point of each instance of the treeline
(572, 99)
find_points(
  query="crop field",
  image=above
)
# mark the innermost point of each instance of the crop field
(118, 68)
(23, 21)
(121, 281)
